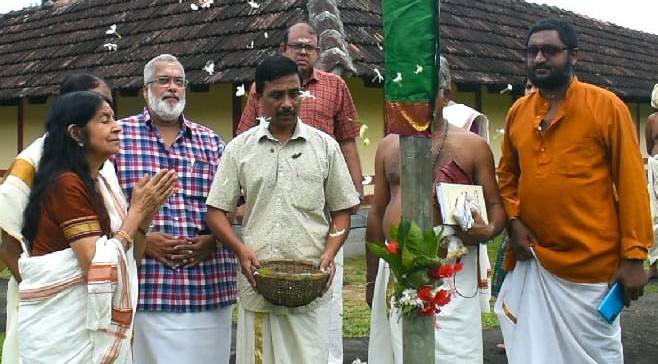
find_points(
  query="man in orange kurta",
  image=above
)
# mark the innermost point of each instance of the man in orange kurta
(572, 180)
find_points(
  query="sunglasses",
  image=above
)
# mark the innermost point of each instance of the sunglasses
(547, 51)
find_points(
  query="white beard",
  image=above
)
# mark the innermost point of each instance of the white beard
(162, 109)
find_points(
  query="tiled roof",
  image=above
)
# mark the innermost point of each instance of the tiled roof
(483, 40)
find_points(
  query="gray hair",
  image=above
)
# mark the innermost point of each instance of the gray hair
(444, 75)
(149, 69)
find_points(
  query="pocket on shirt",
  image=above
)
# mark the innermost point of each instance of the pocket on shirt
(308, 192)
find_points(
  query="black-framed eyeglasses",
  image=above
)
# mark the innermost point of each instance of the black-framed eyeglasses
(165, 81)
(547, 50)
(299, 47)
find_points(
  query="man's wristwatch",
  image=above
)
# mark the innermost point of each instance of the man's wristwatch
(146, 231)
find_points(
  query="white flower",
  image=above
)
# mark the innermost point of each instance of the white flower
(366, 179)
(194, 7)
(209, 67)
(265, 35)
(239, 91)
(362, 130)
(111, 47)
(507, 89)
(253, 4)
(250, 45)
(305, 94)
(113, 30)
(378, 76)
(366, 142)
(419, 69)
(206, 3)
(398, 78)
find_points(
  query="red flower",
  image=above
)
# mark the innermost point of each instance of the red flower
(441, 298)
(426, 310)
(446, 270)
(425, 293)
(393, 247)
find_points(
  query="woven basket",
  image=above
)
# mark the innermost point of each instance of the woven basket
(290, 283)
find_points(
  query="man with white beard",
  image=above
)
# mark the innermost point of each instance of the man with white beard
(187, 283)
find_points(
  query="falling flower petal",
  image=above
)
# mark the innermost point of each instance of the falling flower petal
(507, 89)
(113, 30)
(305, 94)
(206, 3)
(239, 91)
(337, 233)
(378, 76)
(366, 180)
(362, 130)
(209, 67)
(265, 35)
(253, 4)
(194, 7)
(250, 45)
(380, 47)
(111, 47)
(419, 69)
(398, 78)
(366, 142)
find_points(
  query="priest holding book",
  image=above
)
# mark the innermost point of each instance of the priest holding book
(459, 156)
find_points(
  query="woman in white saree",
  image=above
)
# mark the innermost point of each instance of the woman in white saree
(79, 284)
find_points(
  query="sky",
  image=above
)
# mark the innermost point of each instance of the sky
(634, 14)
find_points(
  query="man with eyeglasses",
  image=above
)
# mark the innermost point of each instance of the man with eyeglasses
(327, 105)
(187, 282)
(572, 180)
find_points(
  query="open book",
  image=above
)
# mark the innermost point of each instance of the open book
(448, 194)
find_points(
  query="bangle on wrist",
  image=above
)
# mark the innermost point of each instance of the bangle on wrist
(125, 237)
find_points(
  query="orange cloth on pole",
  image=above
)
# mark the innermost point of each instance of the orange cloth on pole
(579, 186)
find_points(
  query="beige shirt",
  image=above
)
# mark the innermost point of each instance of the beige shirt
(289, 190)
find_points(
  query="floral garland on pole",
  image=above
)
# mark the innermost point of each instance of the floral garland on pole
(418, 271)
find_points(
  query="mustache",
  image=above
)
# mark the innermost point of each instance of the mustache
(286, 112)
(170, 95)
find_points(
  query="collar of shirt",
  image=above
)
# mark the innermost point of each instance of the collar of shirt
(185, 124)
(301, 131)
(315, 76)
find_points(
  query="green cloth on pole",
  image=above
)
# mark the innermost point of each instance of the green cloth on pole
(410, 48)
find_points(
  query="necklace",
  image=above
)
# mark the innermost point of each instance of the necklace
(443, 142)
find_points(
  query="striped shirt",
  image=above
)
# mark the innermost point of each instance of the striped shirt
(194, 155)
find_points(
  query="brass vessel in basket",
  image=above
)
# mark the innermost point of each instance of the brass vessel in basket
(288, 282)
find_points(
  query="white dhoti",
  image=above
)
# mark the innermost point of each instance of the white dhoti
(67, 318)
(269, 338)
(10, 351)
(546, 319)
(170, 337)
(335, 344)
(459, 336)
(652, 178)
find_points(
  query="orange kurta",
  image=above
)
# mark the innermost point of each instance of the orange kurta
(562, 183)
